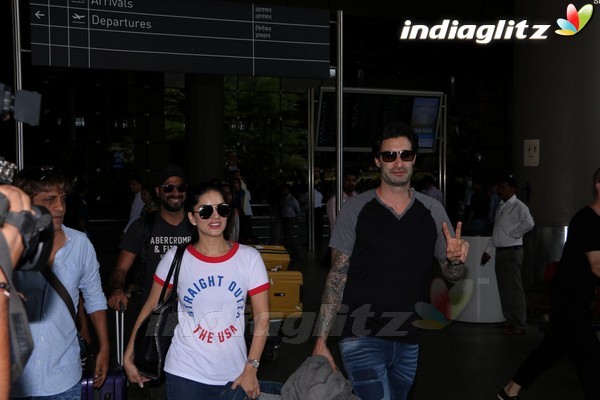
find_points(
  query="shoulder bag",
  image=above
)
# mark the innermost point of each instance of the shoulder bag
(85, 352)
(154, 335)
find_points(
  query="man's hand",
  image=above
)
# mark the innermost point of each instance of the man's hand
(485, 257)
(457, 249)
(17, 201)
(118, 298)
(101, 368)
(321, 349)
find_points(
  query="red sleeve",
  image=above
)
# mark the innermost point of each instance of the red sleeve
(256, 290)
(161, 282)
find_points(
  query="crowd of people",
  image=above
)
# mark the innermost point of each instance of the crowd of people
(383, 241)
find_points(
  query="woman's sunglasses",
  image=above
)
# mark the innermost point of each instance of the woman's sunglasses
(405, 155)
(206, 211)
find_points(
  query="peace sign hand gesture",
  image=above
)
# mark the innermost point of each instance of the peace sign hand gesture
(457, 249)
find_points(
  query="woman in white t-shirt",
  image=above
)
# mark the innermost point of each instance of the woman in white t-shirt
(208, 354)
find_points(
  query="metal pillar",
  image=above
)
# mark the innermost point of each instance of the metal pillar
(339, 75)
(311, 170)
(18, 83)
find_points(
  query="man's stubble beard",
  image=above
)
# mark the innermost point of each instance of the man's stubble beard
(165, 204)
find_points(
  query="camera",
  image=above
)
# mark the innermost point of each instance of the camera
(7, 100)
(35, 227)
(8, 171)
(24, 105)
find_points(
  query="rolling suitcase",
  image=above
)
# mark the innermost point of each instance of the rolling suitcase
(285, 301)
(115, 385)
(275, 257)
(285, 294)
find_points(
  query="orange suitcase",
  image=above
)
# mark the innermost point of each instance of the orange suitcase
(285, 294)
(276, 258)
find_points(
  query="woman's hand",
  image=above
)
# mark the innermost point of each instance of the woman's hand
(248, 381)
(131, 370)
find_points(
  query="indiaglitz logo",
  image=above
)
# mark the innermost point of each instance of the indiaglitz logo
(482, 34)
(575, 21)
(502, 30)
(445, 305)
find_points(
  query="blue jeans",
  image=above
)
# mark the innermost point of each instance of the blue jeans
(379, 369)
(74, 393)
(179, 388)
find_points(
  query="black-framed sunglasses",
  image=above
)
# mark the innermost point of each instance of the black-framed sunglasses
(181, 188)
(405, 155)
(205, 211)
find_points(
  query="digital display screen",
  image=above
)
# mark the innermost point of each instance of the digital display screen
(366, 111)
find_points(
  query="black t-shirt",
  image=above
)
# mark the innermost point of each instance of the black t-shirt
(161, 238)
(574, 283)
(391, 259)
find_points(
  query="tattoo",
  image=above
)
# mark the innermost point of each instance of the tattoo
(452, 273)
(334, 290)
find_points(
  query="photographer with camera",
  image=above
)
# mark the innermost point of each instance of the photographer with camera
(12, 200)
(15, 201)
(54, 368)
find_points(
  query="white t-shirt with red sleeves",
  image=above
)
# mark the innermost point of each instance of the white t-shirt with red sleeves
(208, 345)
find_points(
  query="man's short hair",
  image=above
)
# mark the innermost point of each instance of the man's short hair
(395, 129)
(34, 181)
(428, 179)
(134, 176)
(509, 179)
(350, 172)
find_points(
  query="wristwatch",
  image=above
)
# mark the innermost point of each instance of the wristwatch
(254, 362)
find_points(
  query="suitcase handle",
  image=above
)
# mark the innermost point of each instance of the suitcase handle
(119, 328)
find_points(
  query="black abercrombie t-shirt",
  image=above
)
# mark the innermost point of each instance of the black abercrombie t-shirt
(162, 237)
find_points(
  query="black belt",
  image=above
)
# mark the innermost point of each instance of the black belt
(509, 248)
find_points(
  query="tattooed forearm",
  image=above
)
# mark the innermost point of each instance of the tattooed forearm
(332, 295)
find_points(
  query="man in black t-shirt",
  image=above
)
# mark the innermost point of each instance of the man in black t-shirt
(149, 238)
(570, 331)
(384, 243)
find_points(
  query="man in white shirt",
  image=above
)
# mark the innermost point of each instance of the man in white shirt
(318, 213)
(137, 204)
(512, 221)
(430, 189)
(348, 190)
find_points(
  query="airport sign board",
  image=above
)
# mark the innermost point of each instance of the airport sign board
(194, 36)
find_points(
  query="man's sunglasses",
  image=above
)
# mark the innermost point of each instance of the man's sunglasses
(41, 173)
(181, 188)
(405, 155)
(206, 211)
